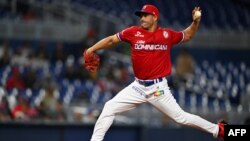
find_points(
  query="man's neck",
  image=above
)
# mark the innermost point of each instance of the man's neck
(153, 28)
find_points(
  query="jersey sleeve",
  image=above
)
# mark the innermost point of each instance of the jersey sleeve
(177, 36)
(125, 35)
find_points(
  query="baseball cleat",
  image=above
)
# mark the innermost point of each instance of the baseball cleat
(221, 132)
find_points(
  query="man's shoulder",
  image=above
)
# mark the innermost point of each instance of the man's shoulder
(165, 29)
(133, 28)
(168, 30)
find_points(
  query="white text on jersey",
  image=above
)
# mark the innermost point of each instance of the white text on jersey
(150, 47)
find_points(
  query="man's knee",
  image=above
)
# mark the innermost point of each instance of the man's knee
(109, 108)
(183, 118)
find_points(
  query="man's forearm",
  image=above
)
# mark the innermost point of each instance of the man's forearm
(102, 44)
(190, 31)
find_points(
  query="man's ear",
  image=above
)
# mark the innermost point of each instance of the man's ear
(155, 18)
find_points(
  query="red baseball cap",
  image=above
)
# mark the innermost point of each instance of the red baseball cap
(150, 9)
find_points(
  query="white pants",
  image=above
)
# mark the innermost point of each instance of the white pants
(159, 96)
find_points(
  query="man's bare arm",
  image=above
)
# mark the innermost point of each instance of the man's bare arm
(104, 43)
(190, 31)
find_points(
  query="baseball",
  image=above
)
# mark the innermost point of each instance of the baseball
(197, 14)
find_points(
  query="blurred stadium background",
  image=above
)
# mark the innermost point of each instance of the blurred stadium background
(46, 94)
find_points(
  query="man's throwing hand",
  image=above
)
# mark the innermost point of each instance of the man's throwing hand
(91, 61)
(196, 14)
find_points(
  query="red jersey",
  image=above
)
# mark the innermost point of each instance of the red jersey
(150, 51)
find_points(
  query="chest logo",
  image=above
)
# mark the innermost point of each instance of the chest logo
(138, 34)
(165, 34)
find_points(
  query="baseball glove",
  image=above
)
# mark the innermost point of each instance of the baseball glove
(91, 62)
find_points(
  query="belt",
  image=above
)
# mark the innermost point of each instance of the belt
(149, 82)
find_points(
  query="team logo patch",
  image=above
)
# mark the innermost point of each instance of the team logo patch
(165, 34)
(158, 93)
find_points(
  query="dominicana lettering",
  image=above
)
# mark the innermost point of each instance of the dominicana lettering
(150, 47)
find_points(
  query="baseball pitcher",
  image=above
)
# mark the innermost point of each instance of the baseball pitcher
(150, 55)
